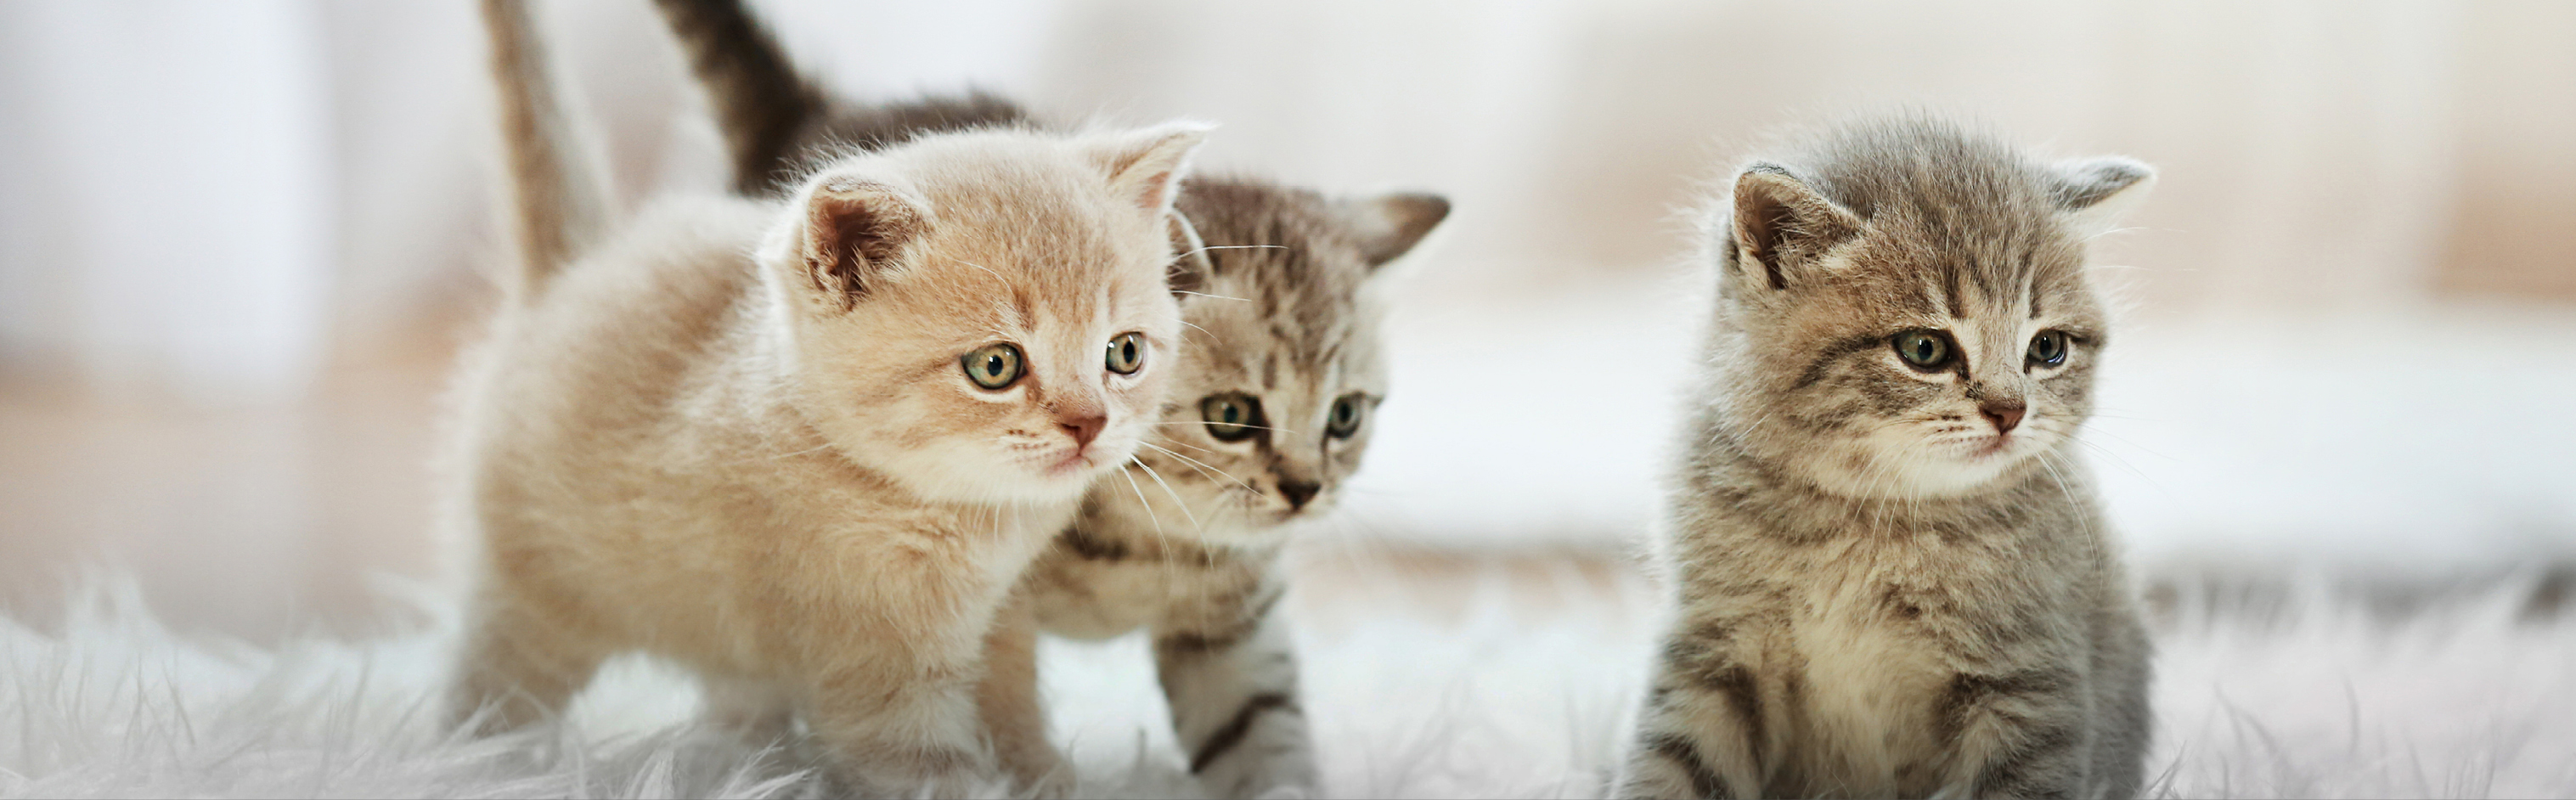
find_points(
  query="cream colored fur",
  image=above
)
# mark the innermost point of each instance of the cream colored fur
(738, 435)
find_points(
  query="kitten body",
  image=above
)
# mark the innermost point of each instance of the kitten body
(1281, 290)
(749, 435)
(1891, 577)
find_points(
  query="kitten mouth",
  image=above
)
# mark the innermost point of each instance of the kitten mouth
(1992, 447)
(1075, 462)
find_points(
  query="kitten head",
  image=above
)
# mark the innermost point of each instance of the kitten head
(982, 316)
(1270, 409)
(1904, 310)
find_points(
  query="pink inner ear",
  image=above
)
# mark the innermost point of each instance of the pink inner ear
(854, 229)
(1155, 191)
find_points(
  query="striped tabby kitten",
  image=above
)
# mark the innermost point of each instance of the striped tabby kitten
(1280, 298)
(1892, 578)
(803, 446)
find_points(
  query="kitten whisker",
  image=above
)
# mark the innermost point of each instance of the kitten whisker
(1203, 467)
(1140, 500)
(1167, 489)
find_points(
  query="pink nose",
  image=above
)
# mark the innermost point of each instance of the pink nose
(2005, 416)
(1084, 428)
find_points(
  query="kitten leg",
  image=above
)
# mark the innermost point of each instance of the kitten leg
(2020, 733)
(1233, 693)
(901, 729)
(516, 672)
(1014, 715)
(1700, 729)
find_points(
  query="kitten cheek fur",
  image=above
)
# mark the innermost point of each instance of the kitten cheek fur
(882, 296)
(1811, 291)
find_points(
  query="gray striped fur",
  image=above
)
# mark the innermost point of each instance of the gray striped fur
(1878, 591)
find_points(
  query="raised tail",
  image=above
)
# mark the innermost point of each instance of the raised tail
(761, 104)
(558, 191)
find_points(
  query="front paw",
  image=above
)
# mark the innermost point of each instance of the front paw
(1261, 773)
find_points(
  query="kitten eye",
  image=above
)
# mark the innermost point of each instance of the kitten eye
(1127, 353)
(1928, 351)
(1231, 417)
(1348, 413)
(2048, 348)
(993, 366)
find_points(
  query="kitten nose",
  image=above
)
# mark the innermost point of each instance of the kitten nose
(1298, 492)
(1084, 428)
(2005, 416)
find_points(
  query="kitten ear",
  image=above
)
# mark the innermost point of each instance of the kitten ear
(1145, 166)
(1779, 219)
(1389, 225)
(2096, 192)
(854, 229)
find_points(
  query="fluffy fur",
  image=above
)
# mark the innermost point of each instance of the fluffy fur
(1280, 297)
(744, 436)
(1892, 579)
(2314, 696)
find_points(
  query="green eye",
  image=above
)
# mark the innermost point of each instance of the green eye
(1231, 417)
(2048, 348)
(1923, 350)
(1348, 413)
(1127, 353)
(994, 366)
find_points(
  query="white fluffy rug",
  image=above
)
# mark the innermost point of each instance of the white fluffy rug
(2301, 691)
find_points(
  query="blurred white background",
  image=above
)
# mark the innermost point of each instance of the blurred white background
(238, 242)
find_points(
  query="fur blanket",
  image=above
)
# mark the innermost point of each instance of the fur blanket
(2304, 690)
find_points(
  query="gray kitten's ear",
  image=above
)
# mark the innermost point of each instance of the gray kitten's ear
(854, 230)
(1780, 222)
(2096, 192)
(1389, 225)
(1146, 165)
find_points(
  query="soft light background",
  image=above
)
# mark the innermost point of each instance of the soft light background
(238, 241)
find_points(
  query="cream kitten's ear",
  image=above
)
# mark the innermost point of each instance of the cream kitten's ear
(1146, 165)
(1780, 222)
(854, 230)
(2096, 192)
(1389, 225)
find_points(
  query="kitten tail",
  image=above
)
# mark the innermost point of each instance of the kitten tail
(558, 191)
(760, 102)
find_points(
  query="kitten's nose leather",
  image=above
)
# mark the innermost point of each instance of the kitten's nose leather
(1298, 492)
(2005, 416)
(1084, 428)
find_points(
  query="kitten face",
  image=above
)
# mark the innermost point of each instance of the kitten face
(1928, 332)
(1915, 379)
(1278, 387)
(983, 317)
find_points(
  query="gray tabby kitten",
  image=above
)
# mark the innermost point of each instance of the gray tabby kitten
(1281, 290)
(1892, 579)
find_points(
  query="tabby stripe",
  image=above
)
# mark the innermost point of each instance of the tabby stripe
(2009, 776)
(1968, 692)
(1704, 781)
(1236, 729)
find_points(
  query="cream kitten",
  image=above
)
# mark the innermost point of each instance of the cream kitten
(1892, 577)
(803, 447)
(1281, 292)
